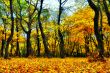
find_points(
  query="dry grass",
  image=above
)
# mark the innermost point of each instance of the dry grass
(53, 65)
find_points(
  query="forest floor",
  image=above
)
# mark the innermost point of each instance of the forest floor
(53, 65)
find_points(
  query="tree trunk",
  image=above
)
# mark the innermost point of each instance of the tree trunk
(11, 50)
(17, 49)
(38, 43)
(99, 36)
(77, 50)
(29, 50)
(2, 47)
(3, 38)
(73, 47)
(61, 45)
(44, 40)
(12, 31)
(87, 44)
(41, 30)
(109, 2)
(3, 44)
(91, 43)
(17, 43)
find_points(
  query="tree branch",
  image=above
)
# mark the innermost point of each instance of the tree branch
(107, 11)
(63, 3)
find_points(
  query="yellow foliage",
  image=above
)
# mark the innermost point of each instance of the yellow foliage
(53, 65)
(81, 23)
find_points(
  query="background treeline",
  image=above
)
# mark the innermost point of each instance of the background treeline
(27, 28)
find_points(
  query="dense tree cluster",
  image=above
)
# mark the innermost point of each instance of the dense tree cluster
(28, 29)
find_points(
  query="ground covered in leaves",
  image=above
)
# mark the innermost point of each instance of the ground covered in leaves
(53, 65)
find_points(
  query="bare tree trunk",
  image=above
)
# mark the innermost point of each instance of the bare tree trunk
(99, 36)
(101, 53)
(17, 43)
(3, 38)
(3, 44)
(17, 49)
(41, 30)
(12, 31)
(29, 49)
(61, 45)
(2, 47)
(38, 42)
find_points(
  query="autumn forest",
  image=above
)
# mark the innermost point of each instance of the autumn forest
(35, 35)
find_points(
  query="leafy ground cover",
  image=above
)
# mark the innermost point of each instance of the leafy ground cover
(53, 65)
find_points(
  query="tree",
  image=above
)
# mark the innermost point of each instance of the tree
(61, 45)
(4, 17)
(12, 30)
(41, 29)
(17, 43)
(29, 23)
(97, 29)
(3, 37)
